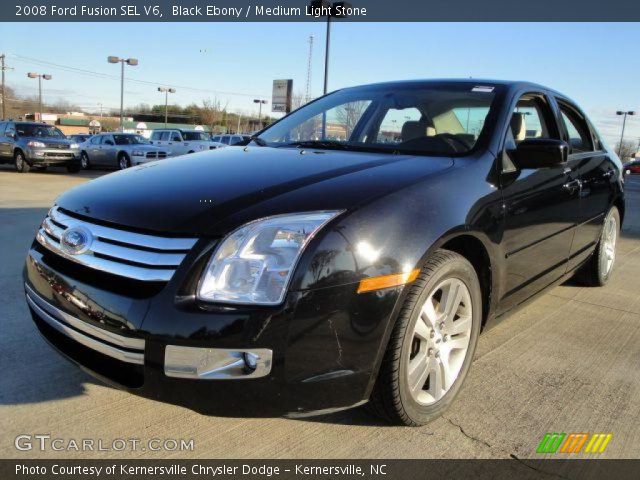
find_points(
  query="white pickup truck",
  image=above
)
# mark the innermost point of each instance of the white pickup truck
(181, 142)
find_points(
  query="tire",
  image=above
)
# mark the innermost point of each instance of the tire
(20, 162)
(123, 161)
(597, 271)
(75, 168)
(84, 161)
(444, 275)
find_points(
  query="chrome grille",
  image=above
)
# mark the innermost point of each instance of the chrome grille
(127, 254)
(156, 154)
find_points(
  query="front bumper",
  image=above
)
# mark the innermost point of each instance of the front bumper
(324, 344)
(52, 156)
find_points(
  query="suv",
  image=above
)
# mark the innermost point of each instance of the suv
(231, 139)
(39, 145)
(181, 142)
(330, 264)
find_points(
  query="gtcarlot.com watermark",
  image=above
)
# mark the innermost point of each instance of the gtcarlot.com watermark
(46, 442)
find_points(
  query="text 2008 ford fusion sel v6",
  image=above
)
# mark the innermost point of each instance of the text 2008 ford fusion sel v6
(352, 252)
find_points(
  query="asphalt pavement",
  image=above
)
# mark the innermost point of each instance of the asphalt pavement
(568, 362)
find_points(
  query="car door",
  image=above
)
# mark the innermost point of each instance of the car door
(156, 138)
(108, 151)
(4, 150)
(93, 149)
(597, 174)
(540, 206)
(176, 143)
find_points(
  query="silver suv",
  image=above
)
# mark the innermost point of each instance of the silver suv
(181, 142)
(37, 145)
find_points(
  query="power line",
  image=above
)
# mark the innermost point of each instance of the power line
(92, 73)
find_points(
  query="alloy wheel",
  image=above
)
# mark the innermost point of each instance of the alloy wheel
(123, 162)
(440, 341)
(84, 161)
(609, 239)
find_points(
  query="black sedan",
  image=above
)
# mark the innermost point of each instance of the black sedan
(350, 253)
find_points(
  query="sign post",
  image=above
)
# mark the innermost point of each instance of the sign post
(281, 97)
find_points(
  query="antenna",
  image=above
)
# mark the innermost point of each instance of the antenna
(307, 96)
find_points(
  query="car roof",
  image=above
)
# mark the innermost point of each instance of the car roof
(443, 82)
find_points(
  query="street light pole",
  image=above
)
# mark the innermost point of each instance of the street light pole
(40, 77)
(326, 6)
(624, 122)
(260, 102)
(166, 91)
(129, 61)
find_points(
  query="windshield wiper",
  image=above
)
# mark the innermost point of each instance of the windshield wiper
(320, 144)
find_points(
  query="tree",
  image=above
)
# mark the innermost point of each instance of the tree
(628, 150)
(212, 113)
(349, 114)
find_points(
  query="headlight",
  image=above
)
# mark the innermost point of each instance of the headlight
(137, 153)
(36, 144)
(73, 146)
(253, 265)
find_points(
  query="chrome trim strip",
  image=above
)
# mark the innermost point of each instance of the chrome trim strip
(122, 355)
(215, 363)
(124, 236)
(139, 256)
(106, 335)
(108, 266)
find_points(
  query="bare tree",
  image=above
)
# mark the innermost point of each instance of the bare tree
(212, 113)
(628, 150)
(297, 100)
(349, 114)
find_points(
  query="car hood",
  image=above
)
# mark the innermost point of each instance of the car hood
(48, 141)
(210, 193)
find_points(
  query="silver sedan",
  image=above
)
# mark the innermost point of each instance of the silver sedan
(119, 150)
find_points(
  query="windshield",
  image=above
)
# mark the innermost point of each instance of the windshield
(40, 131)
(130, 140)
(198, 136)
(429, 120)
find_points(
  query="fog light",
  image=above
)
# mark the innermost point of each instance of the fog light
(216, 363)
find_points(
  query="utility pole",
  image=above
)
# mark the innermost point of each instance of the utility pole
(239, 119)
(3, 97)
(624, 122)
(307, 96)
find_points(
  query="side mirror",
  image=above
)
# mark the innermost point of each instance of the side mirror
(541, 153)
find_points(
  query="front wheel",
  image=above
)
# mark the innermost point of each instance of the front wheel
(432, 344)
(123, 162)
(84, 161)
(597, 271)
(21, 163)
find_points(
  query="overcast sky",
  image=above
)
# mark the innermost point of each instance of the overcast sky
(594, 63)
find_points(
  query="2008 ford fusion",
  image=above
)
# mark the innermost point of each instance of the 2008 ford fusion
(350, 253)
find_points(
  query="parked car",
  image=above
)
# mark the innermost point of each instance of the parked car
(79, 137)
(119, 150)
(231, 139)
(301, 275)
(36, 145)
(633, 167)
(181, 142)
